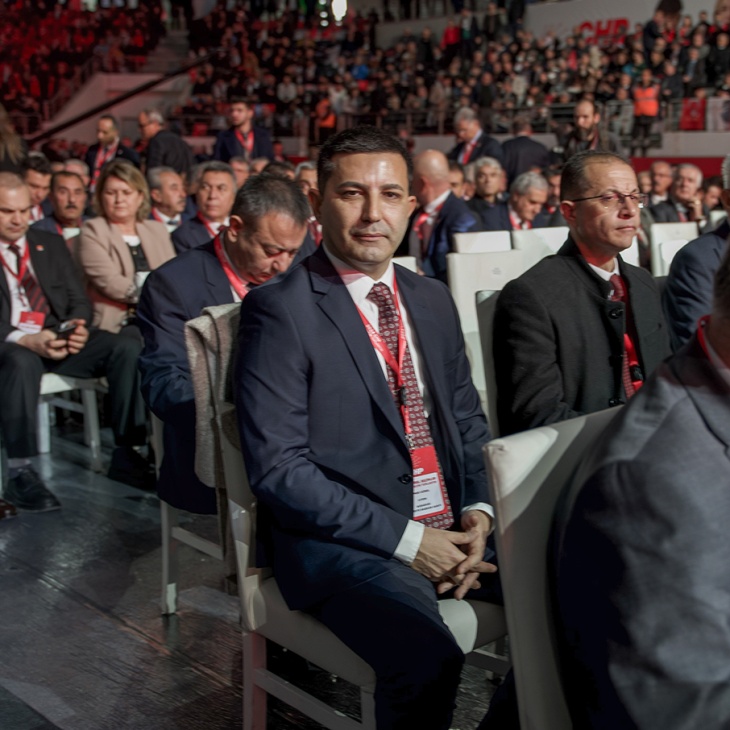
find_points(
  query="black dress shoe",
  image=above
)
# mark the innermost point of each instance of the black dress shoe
(130, 467)
(7, 510)
(28, 493)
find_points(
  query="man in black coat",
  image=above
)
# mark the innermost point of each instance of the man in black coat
(164, 148)
(474, 142)
(522, 153)
(243, 139)
(40, 290)
(580, 330)
(108, 147)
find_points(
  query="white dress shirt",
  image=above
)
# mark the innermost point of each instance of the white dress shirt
(358, 286)
(18, 301)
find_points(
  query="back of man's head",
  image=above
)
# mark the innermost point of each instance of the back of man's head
(264, 194)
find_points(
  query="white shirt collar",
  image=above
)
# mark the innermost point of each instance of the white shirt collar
(20, 243)
(436, 202)
(605, 275)
(357, 283)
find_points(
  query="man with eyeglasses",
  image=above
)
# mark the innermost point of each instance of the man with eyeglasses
(581, 330)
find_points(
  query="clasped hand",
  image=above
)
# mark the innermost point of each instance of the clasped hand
(48, 344)
(456, 559)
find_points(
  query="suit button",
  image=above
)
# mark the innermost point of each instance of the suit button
(616, 313)
(405, 479)
(615, 402)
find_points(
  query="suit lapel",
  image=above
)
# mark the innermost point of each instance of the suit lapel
(337, 305)
(216, 277)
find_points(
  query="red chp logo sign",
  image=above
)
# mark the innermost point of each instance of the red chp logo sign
(603, 32)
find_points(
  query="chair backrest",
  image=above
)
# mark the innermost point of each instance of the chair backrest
(407, 262)
(482, 242)
(537, 243)
(469, 273)
(716, 216)
(631, 254)
(486, 302)
(667, 251)
(527, 474)
(663, 232)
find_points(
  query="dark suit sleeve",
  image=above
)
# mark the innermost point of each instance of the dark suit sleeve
(132, 155)
(643, 601)
(219, 149)
(494, 149)
(687, 295)
(78, 306)
(154, 153)
(529, 380)
(163, 364)
(272, 399)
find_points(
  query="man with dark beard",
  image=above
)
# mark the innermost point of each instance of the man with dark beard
(587, 133)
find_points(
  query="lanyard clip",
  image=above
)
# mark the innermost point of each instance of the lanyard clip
(403, 395)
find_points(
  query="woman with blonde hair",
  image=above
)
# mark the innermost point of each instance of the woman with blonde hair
(13, 149)
(119, 248)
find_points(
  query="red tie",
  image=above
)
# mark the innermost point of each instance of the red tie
(382, 297)
(33, 292)
(467, 152)
(619, 295)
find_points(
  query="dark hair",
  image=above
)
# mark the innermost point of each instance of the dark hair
(521, 124)
(215, 166)
(358, 140)
(279, 169)
(38, 162)
(573, 183)
(455, 166)
(112, 119)
(264, 194)
(65, 173)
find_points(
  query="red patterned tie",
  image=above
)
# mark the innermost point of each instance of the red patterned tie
(619, 295)
(33, 292)
(382, 297)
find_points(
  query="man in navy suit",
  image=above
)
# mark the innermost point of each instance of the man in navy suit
(522, 153)
(214, 198)
(68, 201)
(473, 142)
(333, 430)
(243, 139)
(524, 208)
(266, 228)
(109, 147)
(441, 215)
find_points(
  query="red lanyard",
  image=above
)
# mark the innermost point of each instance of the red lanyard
(397, 367)
(103, 157)
(517, 223)
(246, 141)
(22, 267)
(701, 334)
(467, 151)
(238, 284)
(208, 226)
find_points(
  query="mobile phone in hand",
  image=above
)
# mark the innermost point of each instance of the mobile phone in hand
(64, 329)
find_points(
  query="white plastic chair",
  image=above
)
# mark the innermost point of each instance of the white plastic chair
(469, 273)
(482, 242)
(486, 302)
(527, 474)
(662, 233)
(537, 243)
(631, 254)
(716, 217)
(407, 262)
(265, 615)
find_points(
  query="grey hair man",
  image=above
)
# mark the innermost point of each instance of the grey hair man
(524, 207)
(684, 203)
(472, 141)
(267, 225)
(167, 191)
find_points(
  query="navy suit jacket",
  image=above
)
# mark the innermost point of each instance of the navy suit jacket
(486, 147)
(640, 555)
(454, 217)
(522, 154)
(666, 212)
(322, 438)
(687, 293)
(122, 153)
(497, 218)
(189, 235)
(173, 294)
(227, 145)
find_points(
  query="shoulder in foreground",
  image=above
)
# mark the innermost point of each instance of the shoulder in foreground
(187, 261)
(94, 224)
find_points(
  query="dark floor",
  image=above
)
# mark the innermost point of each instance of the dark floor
(83, 645)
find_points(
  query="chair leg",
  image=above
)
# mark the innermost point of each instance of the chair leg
(169, 518)
(92, 432)
(254, 697)
(43, 427)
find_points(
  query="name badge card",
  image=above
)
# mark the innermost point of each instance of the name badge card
(31, 322)
(429, 490)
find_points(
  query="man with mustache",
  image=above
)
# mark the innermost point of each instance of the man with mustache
(267, 225)
(588, 133)
(581, 330)
(68, 202)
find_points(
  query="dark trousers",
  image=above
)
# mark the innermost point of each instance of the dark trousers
(105, 354)
(393, 623)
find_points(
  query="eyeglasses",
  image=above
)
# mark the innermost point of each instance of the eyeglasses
(611, 201)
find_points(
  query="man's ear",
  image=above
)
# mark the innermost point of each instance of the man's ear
(156, 195)
(315, 200)
(567, 209)
(235, 226)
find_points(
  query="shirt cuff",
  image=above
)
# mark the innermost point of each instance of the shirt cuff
(484, 507)
(410, 542)
(14, 336)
